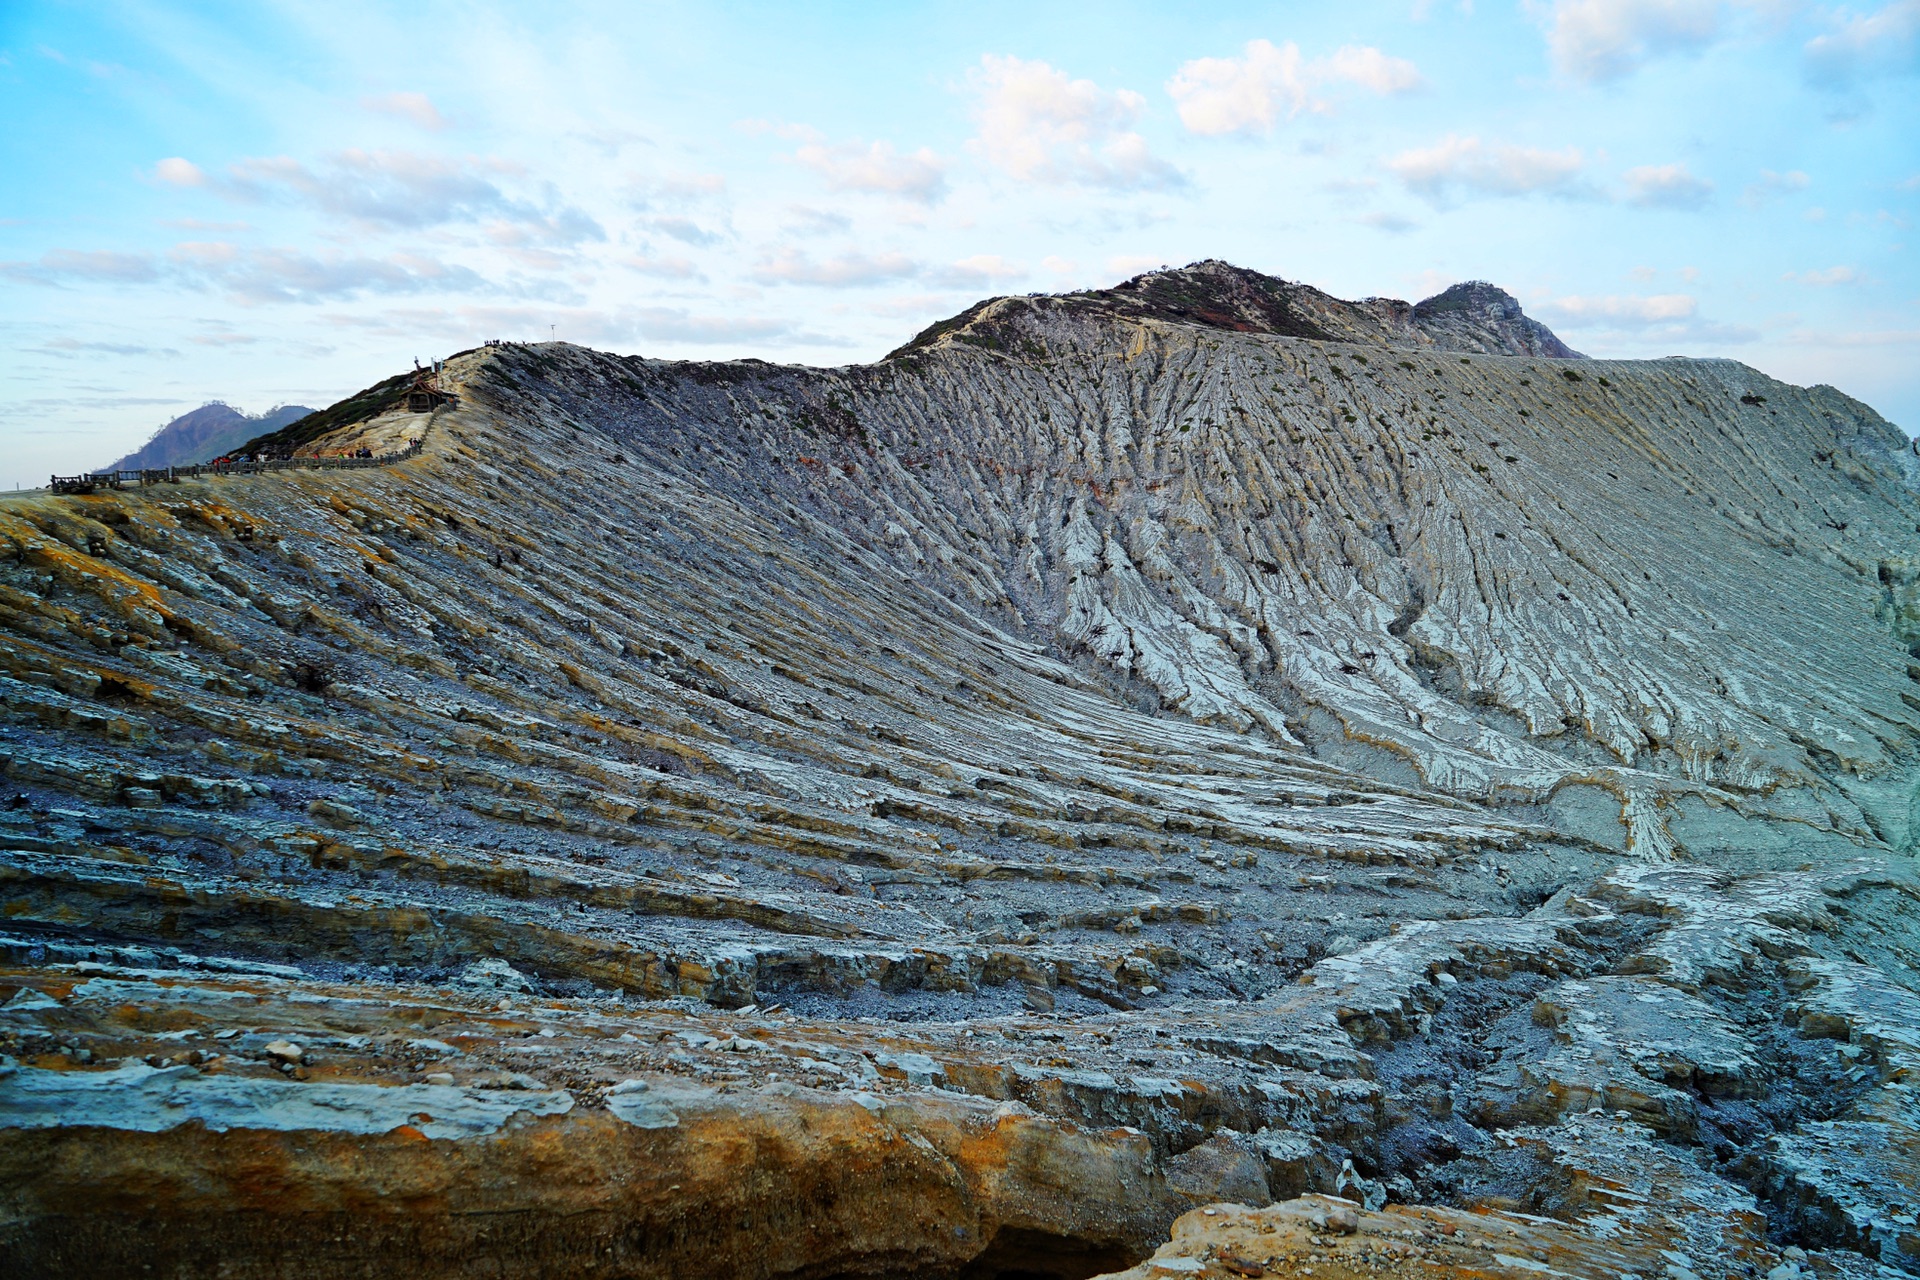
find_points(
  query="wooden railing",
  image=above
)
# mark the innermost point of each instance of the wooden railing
(97, 480)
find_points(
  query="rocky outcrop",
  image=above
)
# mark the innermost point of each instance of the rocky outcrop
(1477, 317)
(958, 815)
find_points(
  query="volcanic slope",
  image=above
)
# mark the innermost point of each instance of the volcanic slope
(1201, 740)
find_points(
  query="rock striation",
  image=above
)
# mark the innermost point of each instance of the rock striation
(1199, 742)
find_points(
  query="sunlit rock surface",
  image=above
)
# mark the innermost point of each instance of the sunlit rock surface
(1199, 742)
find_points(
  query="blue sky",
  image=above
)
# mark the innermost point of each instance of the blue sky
(271, 202)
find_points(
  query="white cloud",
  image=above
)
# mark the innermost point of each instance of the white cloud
(1617, 312)
(289, 275)
(1496, 169)
(672, 324)
(616, 327)
(693, 185)
(251, 276)
(416, 107)
(1383, 221)
(848, 271)
(405, 189)
(808, 221)
(1637, 321)
(1595, 40)
(1880, 43)
(1369, 68)
(569, 226)
(1038, 125)
(69, 348)
(675, 189)
(1128, 265)
(663, 268)
(1667, 186)
(1773, 184)
(982, 270)
(685, 230)
(177, 172)
(382, 187)
(916, 305)
(1245, 94)
(1827, 277)
(76, 266)
(1251, 93)
(877, 167)
(1862, 338)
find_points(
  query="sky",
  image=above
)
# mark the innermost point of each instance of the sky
(278, 202)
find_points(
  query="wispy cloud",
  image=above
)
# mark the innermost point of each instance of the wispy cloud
(1037, 124)
(1771, 184)
(672, 324)
(1392, 223)
(1666, 186)
(685, 230)
(878, 168)
(1599, 40)
(74, 348)
(250, 276)
(1128, 265)
(981, 271)
(78, 266)
(1858, 338)
(1625, 312)
(177, 171)
(806, 220)
(1458, 163)
(1826, 278)
(664, 268)
(204, 224)
(847, 271)
(1857, 46)
(414, 107)
(395, 190)
(254, 277)
(1250, 94)
(616, 327)
(1639, 320)
(675, 190)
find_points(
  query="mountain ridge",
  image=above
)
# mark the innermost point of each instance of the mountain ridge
(203, 434)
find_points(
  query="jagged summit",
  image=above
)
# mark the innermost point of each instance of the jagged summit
(1474, 317)
(1460, 313)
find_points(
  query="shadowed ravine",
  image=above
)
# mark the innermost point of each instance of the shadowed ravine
(1203, 741)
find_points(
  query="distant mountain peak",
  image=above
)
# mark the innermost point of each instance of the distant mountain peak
(216, 427)
(1474, 317)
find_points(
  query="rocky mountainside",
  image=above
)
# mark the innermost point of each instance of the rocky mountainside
(205, 433)
(1123, 752)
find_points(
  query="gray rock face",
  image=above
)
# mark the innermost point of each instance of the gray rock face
(1205, 738)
